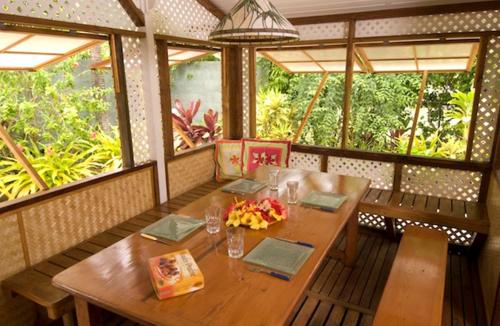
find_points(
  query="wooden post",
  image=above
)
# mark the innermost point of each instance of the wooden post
(165, 99)
(117, 62)
(232, 91)
(19, 155)
(478, 85)
(420, 100)
(310, 107)
(349, 70)
(252, 84)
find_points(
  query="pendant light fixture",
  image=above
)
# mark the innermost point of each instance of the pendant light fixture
(254, 22)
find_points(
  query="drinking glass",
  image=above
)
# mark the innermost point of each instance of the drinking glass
(213, 216)
(292, 187)
(273, 178)
(235, 242)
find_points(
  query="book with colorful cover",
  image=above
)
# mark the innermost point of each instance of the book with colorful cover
(175, 274)
(327, 201)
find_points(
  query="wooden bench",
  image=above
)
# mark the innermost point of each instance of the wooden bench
(414, 292)
(451, 213)
(35, 283)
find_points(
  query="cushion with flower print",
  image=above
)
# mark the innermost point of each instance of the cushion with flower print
(257, 153)
(227, 159)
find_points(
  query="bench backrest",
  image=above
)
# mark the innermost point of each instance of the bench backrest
(414, 293)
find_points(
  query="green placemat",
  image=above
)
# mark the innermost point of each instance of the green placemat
(173, 227)
(278, 255)
(324, 200)
(243, 186)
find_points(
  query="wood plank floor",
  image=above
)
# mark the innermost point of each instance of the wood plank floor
(339, 295)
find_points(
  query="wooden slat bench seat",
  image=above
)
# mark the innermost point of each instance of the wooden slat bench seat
(458, 214)
(35, 283)
(414, 292)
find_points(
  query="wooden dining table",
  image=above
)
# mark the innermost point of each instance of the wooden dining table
(117, 277)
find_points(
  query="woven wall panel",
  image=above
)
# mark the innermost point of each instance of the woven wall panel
(187, 173)
(107, 13)
(445, 23)
(452, 184)
(11, 251)
(183, 18)
(323, 31)
(132, 55)
(489, 104)
(57, 224)
(380, 173)
(305, 161)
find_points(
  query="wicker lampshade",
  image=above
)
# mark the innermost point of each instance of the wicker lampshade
(254, 22)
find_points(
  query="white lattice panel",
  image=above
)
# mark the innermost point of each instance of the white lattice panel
(304, 161)
(246, 92)
(184, 18)
(446, 23)
(132, 55)
(380, 173)
(489, 104)
(322, 31)
(371, 220)
(455, 236)
(107, 13)
(452, 184)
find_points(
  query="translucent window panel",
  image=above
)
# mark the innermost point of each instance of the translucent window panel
(328, 54)
(50, 44)
(282, 56)
(444, 50)
(388, 52)
(302, 67)
(26, 61)
(172, 52)
(443, 64)
(394, 65)
(7, 39)
(337, 66)
(187, 55)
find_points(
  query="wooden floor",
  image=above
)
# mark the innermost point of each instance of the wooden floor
(342, 295)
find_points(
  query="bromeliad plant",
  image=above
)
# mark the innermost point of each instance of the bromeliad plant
(198, 134)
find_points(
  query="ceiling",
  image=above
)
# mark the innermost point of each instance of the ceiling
(305, 8)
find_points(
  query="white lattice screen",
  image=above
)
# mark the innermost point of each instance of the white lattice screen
(246, 92)
(183, 18)
(132, 55)
(452, 184)
(380, 173)
(455, 236)
(323, 31)
(107, 13)
(305, 161)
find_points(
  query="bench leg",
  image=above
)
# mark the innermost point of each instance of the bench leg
(351, 239)
(86, 314)
(68, 319)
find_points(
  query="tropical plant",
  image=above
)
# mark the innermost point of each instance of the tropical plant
(460, 115)
(275, 117)
(198, 134)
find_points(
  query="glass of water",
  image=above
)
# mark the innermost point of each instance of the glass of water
(273, 178)
(235, 242)
(213, 217)
(292, 187)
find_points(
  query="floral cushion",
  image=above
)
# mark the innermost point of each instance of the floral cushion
(257, 153)
(227, 159)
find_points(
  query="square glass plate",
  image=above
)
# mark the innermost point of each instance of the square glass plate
(243, 186)
(173, 227)
(324, 200)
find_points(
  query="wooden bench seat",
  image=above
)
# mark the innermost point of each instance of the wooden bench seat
(35, 283)
(458, 214)
(414, 292)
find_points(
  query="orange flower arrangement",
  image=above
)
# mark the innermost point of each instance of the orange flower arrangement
(256, 215)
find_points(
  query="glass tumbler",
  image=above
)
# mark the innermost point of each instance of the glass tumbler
(292, 187)
(235, 242)
(213, 217)
(273, 178)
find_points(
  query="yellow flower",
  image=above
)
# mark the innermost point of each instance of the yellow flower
(275, 215)
(258, 222)
(233, 219)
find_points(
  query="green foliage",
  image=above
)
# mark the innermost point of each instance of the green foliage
(58, 119)
(275, 116)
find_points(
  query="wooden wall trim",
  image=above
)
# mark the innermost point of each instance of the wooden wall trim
(15, 204)
(193, 151)
(213, 9)
(393, 158)
(232, 93)
(41, 22)
(401, 12)
(252, 92)
(349, 71)
(165, 99)
(133, 12)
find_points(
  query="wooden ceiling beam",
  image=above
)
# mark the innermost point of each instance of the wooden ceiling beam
(401, 12)
(213, 9)
(133, 12)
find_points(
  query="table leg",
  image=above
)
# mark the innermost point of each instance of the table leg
(351, 240)
(86, 314)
